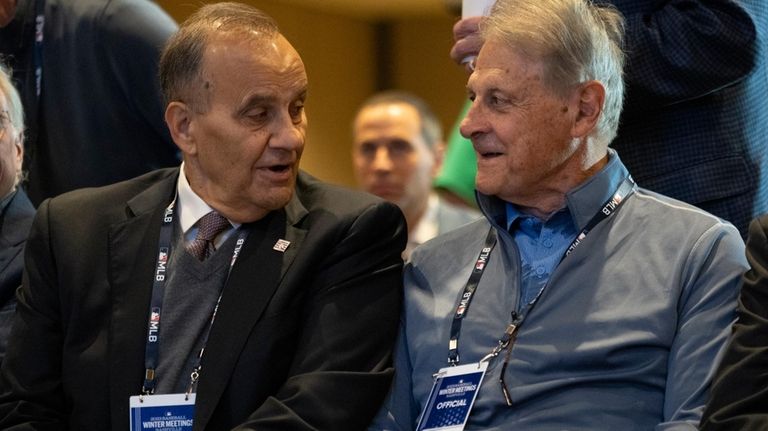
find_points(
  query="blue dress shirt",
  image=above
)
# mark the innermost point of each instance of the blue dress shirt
(541, 245)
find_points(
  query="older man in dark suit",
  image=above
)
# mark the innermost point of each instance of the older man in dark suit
(233, 292)
(16, 211)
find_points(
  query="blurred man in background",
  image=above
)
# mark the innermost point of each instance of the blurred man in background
(397, 151)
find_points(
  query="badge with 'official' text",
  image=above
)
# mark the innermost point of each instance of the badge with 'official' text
(169, 412)
(452, 397)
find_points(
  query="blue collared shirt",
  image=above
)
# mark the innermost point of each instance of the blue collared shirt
(541, 245)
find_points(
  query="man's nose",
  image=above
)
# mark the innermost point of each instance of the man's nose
(472, 123)
(381, 159)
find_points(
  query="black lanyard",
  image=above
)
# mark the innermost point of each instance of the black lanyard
(626, 188)
(152, 351)
(466, 296)
(38, 56)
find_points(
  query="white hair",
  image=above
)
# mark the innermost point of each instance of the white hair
(578, 42)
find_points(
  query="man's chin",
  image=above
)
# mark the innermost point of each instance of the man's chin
(277, 198)
(386, 193)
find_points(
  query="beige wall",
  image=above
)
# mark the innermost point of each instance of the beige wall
(338, 52)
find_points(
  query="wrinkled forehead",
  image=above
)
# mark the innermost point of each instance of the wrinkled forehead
(240, 40)
(229, 55)
(500, 64)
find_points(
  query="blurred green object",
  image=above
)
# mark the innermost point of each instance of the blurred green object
(457, 175)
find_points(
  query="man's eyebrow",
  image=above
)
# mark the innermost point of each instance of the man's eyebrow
(264, 99)
(254, 100)
(258, 99)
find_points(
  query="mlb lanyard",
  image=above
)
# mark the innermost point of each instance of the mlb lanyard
(626, 188)
(152, 350)
(38, 58)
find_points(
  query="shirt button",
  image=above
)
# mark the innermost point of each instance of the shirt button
(540, 271)
(547, 243)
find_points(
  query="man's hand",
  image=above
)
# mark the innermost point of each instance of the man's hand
(7, 11)
(468, 42)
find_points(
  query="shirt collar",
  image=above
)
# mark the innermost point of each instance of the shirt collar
(583, 202)
(588, 198)
(189, 206)
(427, 227)
(6, 200)
(513, 214)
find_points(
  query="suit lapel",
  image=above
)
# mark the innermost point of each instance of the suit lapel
(14, 227)
(15, 223)
(132, 254)
(254, 280)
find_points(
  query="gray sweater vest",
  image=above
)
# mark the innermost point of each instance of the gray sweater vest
(192, 289)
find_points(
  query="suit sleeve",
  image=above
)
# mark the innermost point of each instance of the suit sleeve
(739, 398)
(684, 49)
(31, 397)
(342, 369)
(141, 29)
(706, 311)
(400, 411)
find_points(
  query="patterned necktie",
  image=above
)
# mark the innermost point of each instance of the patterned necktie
(208, 227)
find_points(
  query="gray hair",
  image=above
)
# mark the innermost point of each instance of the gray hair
(431, 129)
(15, 111)
(577, 40)
(181, 74)
(15, 108)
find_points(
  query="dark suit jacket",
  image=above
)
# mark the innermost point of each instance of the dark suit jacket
(695, 120)
(739, 396)
(15, 222)
(301, 341)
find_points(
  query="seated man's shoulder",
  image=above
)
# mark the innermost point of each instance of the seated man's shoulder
(456, 215)
(102, 200)
(452, 245)
(671, 215)
(318, 196)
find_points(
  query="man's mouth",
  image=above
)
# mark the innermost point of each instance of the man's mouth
(279, 168)
(490, 154)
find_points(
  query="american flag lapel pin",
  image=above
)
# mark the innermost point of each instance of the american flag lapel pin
(281, 245)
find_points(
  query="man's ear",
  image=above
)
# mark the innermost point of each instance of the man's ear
(18, 144)
(591, 97)
(178, 117)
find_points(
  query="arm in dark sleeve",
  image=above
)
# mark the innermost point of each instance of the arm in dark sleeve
(31, 396)
(739, 395)
(683, 49)
(342, 370)
(133, 35)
